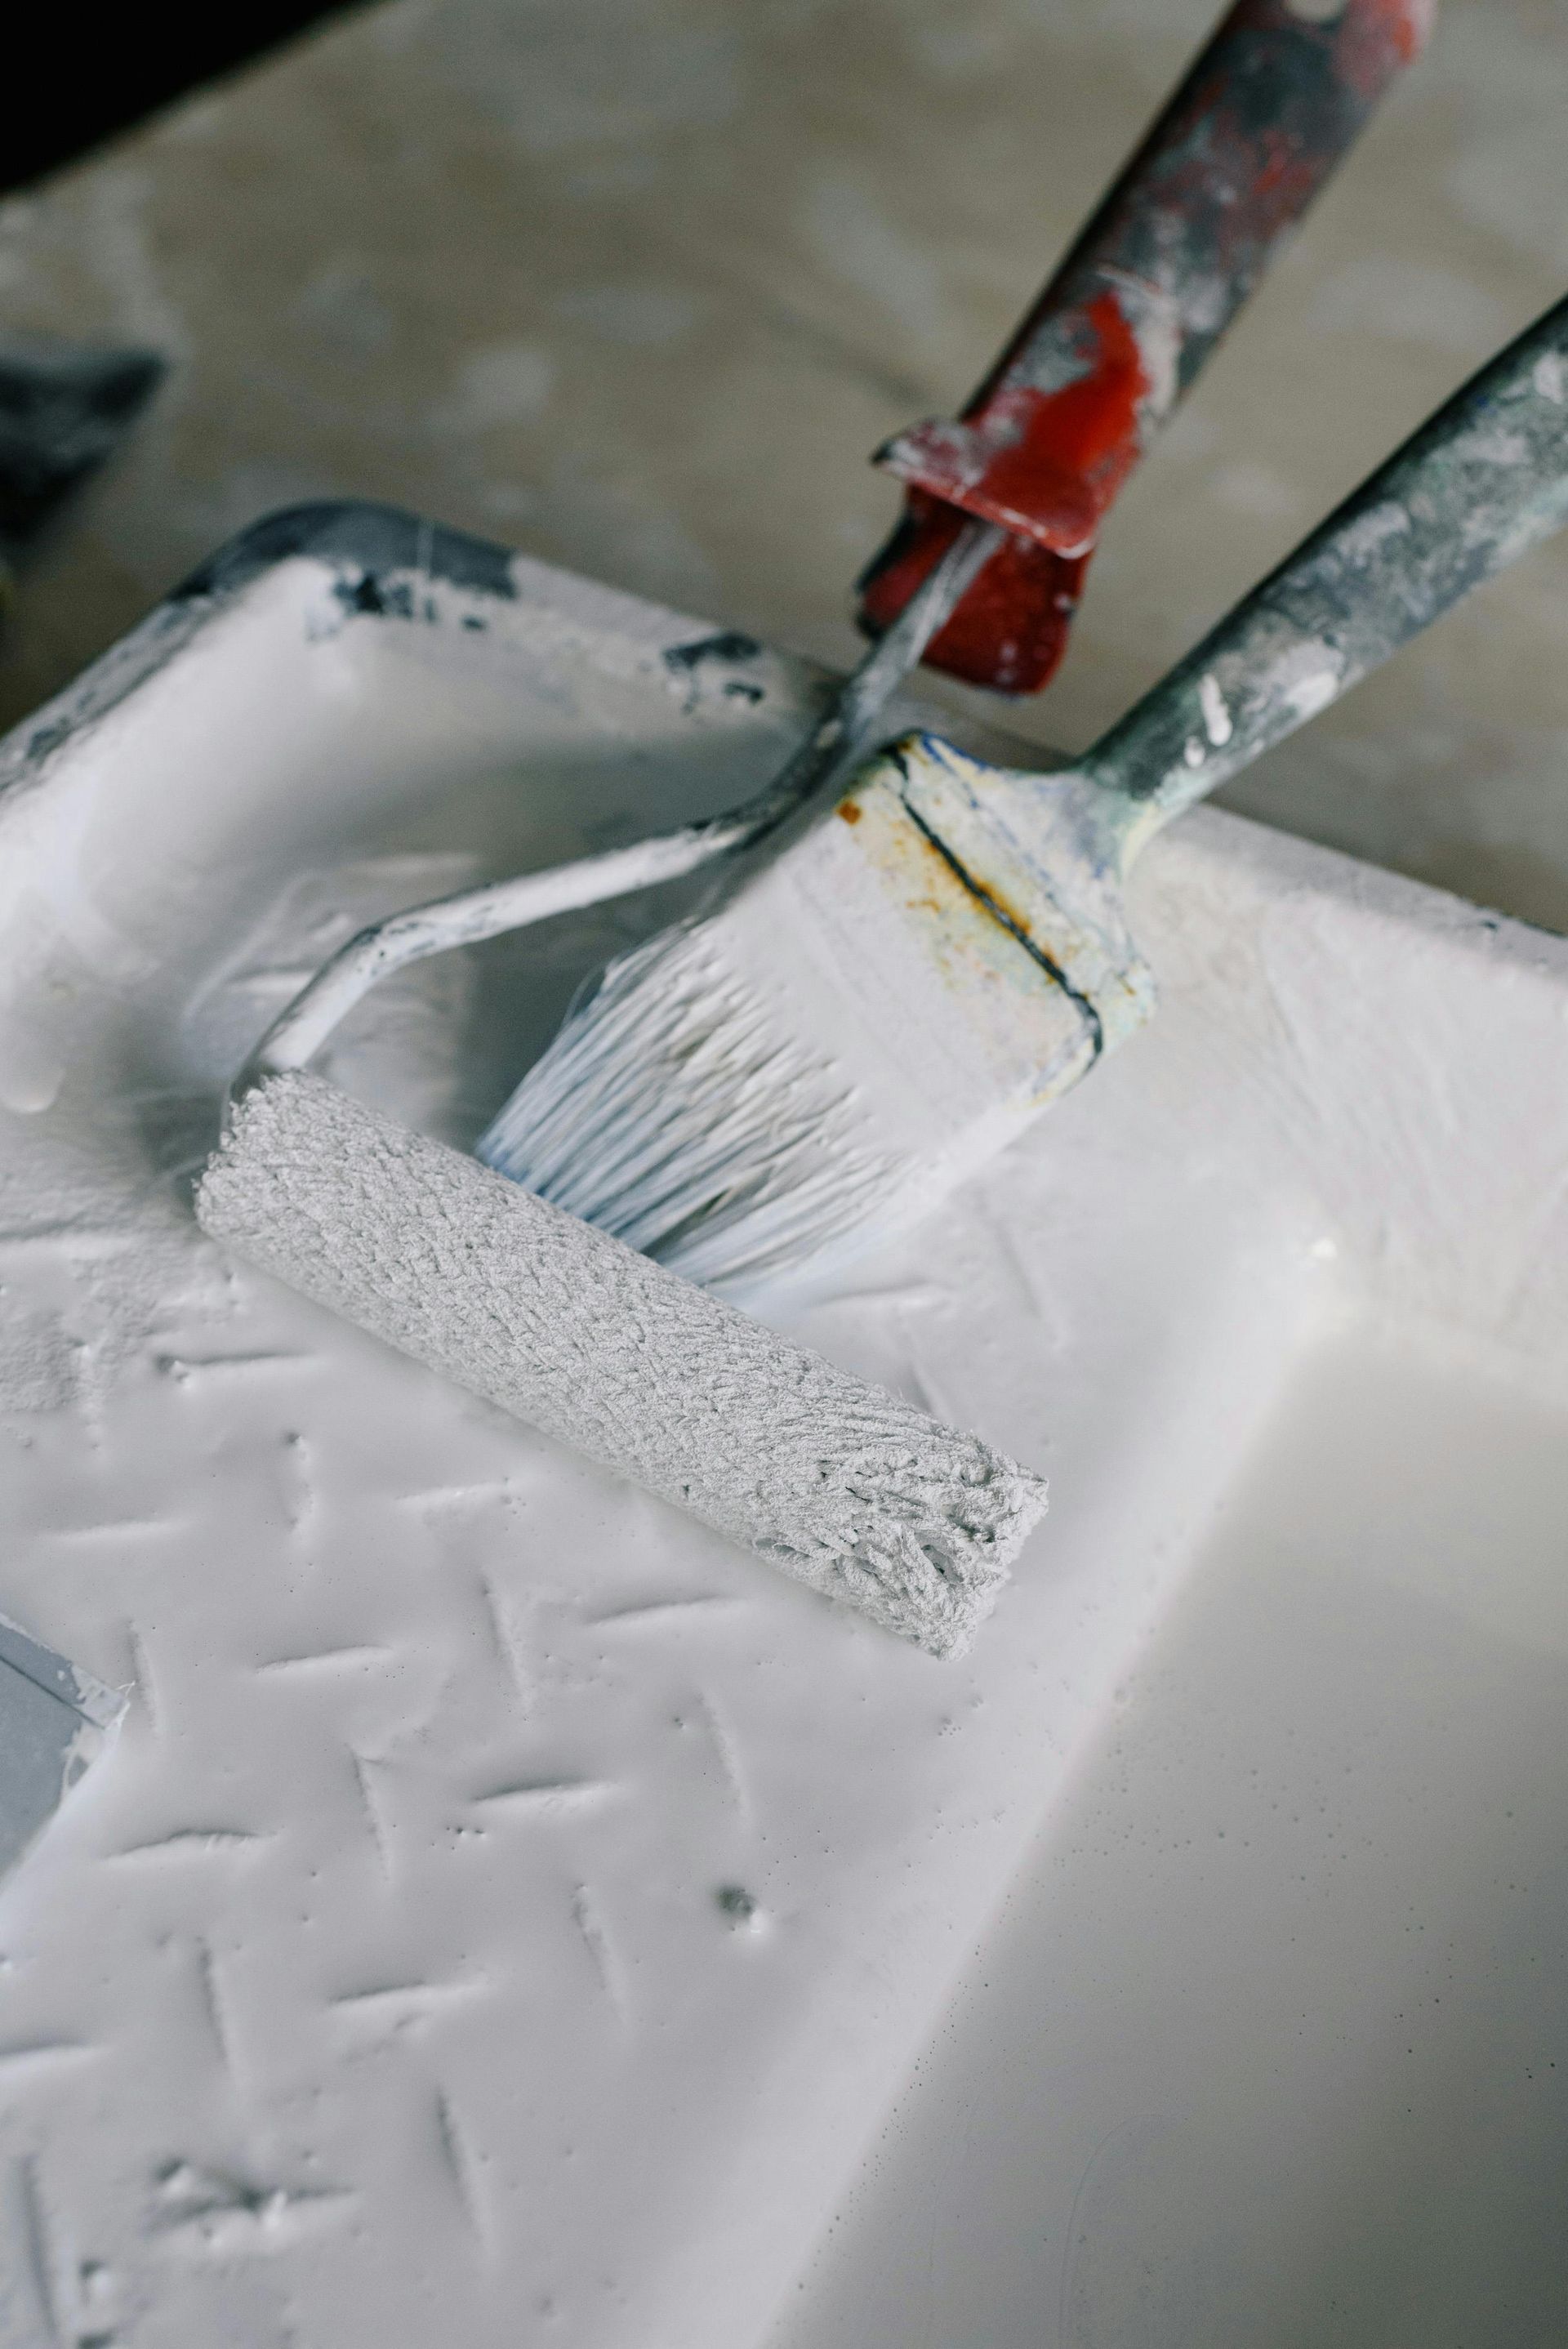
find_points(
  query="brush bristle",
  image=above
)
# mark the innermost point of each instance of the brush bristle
(842, 1485)
(867, 1016)
(671, 1111)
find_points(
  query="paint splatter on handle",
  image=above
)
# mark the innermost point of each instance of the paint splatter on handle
(1257, 127)
(1481, 483)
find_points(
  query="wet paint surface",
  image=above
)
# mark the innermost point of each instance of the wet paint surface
(1271, 2039)
(509, 1912)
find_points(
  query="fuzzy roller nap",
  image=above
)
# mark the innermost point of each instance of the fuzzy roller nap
(835, 1481)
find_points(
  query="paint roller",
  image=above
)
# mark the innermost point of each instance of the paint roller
(971, 920)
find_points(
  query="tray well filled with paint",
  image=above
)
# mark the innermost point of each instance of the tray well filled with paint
(507, 1900)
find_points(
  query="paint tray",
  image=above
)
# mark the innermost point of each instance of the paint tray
(514, 1913)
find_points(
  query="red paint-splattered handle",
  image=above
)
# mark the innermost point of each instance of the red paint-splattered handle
(1257, 128)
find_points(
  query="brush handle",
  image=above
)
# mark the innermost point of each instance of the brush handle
(1257, 127)
(1484, 480)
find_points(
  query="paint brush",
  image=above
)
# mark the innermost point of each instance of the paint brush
(886, 1003)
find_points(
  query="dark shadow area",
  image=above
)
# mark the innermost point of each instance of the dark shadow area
(63, 412)
(84, 88)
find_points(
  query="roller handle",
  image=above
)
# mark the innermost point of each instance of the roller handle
(1257, 127)
(1484, 481)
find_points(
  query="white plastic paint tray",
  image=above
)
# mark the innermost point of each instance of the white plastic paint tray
(512, 1916)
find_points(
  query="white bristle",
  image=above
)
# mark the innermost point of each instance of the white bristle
(671, 1111)
(866, 1019)
(844, 1487)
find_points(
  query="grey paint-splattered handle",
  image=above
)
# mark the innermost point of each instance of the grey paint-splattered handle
(1478, 485)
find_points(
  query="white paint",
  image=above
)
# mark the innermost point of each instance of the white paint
(724, 1193)
(1312, 690)
(391, 1984)
(1363, 541)
(1216, 715)
(1550, 377)
(1266, 2044)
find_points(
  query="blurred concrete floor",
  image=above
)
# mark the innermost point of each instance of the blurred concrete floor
(636, 285)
